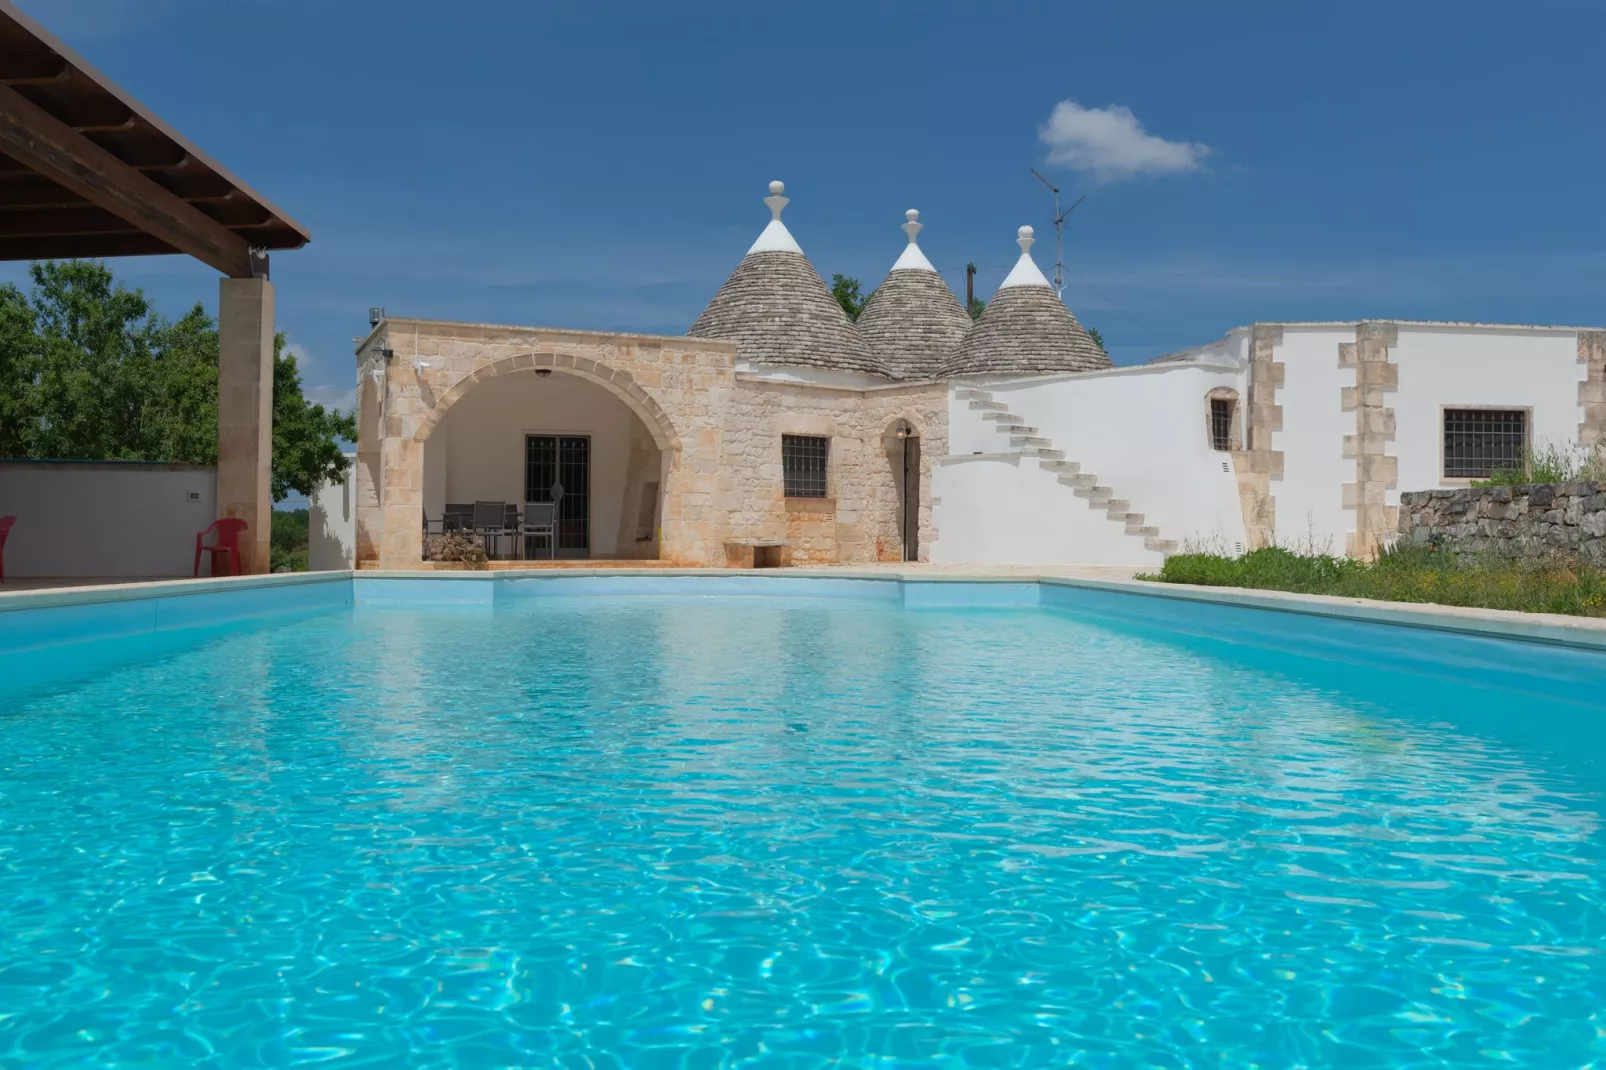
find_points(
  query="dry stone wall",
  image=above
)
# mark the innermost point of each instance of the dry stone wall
(1525, 520)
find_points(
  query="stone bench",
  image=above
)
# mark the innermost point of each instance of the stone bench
(757, 553)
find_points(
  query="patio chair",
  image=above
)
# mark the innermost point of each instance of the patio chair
(540, 520)
(225, 540)
(6, 523)
(457, 517)
(490, 519)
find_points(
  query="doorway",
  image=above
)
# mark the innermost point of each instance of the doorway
(909, 499)
(558, 467)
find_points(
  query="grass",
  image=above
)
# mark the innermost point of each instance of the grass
(1552, 464)
(1406, 574)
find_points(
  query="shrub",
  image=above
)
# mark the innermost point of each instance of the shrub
(1552, 464)
(1543, 584)
(455, 547)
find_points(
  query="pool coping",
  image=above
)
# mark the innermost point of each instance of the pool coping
(1546, 628)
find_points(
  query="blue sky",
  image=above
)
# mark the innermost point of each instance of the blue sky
(603, 166)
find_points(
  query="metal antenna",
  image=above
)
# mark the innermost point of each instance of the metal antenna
(1059, 234)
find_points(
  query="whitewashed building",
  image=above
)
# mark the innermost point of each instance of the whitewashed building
(914, 433)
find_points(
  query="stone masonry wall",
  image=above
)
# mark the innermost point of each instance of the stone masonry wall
(716, 434)
(1528, 520)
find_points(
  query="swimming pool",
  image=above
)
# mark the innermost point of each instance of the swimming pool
(674, 830)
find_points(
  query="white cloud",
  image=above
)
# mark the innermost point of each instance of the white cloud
(329, 395)
(1110, 144)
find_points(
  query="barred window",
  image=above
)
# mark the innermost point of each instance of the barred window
(1479, 441)
(803, 460)
(1220, 424)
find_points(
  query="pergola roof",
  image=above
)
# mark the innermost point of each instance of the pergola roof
(87, 171)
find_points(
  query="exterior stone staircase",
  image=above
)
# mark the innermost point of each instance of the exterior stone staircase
(1086, 485)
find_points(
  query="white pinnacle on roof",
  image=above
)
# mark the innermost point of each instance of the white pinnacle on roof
(1025, 272)
(912, 259)
(775, 238)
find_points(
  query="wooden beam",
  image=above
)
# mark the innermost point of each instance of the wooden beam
(39, 68)
(71, 219)
(34, 137)
(105, 128)
(83, 246)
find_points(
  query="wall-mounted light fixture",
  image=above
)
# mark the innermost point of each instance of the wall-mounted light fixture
(903, 429)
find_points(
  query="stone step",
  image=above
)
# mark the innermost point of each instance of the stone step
(988, 406)
(970, 393)
(1148, 531)
(1044, 454)
(1031, 440)
(1116, 508)
(1021, 429)
(1081, 480)
(1064, 468)
(1162, 546)
(1002, 416)
(1096, 495)
(1133, 520)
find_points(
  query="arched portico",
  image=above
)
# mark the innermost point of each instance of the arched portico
(617, 381)
(533, 436)
(434, 395)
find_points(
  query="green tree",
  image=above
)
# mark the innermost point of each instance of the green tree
(89, 371)
(846, 292)
(1093, 333)
(977, 307)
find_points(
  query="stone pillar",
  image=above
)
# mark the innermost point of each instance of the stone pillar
(1376, 470)
(245, 413)
(1592, 388)
(1258, 464)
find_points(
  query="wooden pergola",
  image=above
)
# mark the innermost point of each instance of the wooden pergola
(87, 171)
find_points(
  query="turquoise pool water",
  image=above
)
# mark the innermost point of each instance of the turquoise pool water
(684, 832)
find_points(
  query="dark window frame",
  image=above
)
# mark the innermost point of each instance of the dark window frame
(1222, 412)
(1479, 440)
(805, 465)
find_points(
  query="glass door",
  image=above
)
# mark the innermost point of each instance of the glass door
(559, 467)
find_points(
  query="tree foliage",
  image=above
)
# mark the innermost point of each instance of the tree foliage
(1093, 333)
(846, 292)
(89, 371)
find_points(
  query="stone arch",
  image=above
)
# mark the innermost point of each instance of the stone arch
(907, 466)
(917, 426)
(616, 381)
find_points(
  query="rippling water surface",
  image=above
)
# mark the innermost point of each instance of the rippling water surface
(697, 833)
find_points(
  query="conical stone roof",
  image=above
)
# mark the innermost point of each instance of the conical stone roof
(913, 322)
(1026, 330)
(778, 310)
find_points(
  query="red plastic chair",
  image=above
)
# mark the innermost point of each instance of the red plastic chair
(226, 540)
(5, 529)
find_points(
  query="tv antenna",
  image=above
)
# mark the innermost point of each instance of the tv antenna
(1059, 234)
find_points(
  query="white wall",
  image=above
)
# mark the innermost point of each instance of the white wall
(1004, 510)
(477, 451)
(1141, 430)
(332, 525)
(1310, 496)
(1440, 365)
(91, 518)
(1451, 367)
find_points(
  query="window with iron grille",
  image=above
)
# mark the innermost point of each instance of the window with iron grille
(803, 460)
(1220, 424)
(1479, 441)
